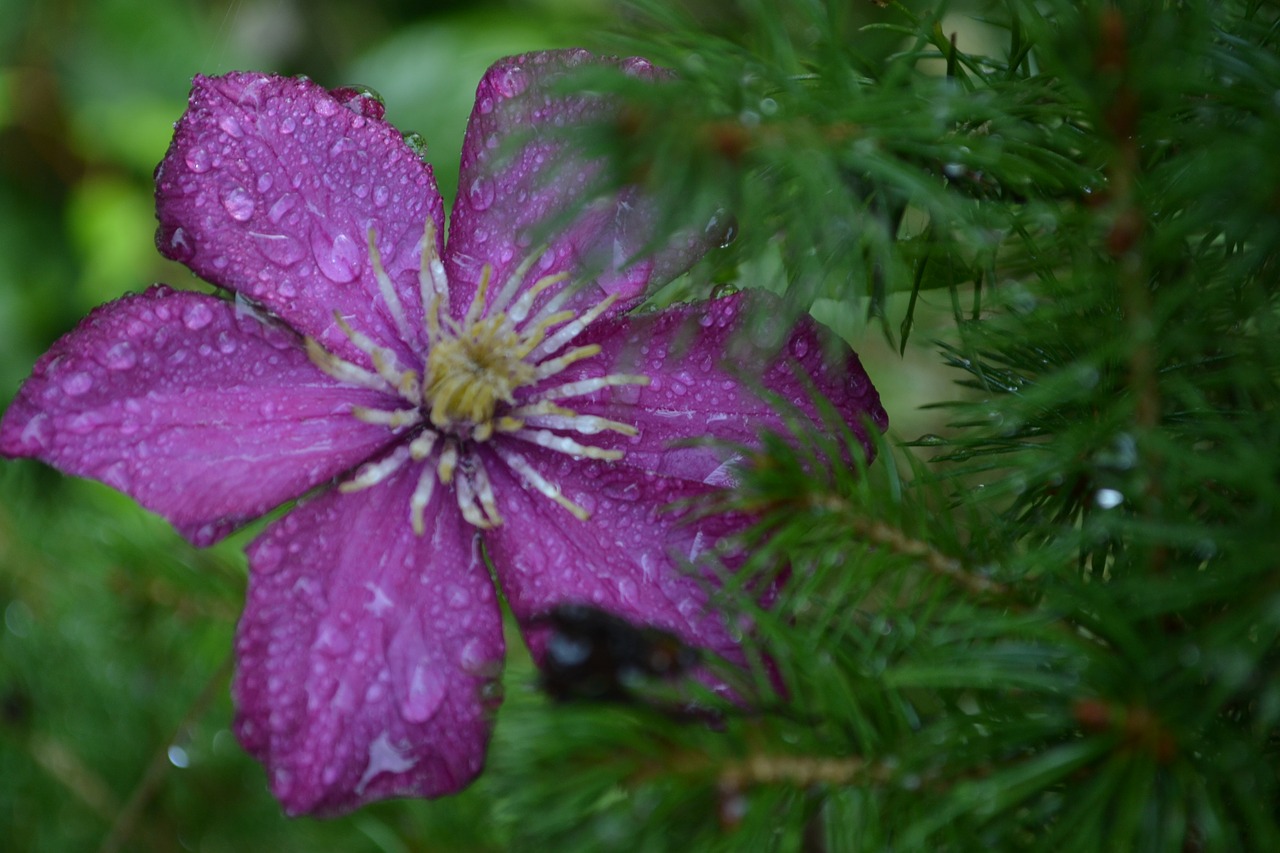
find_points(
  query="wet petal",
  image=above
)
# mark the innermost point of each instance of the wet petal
(270, 187)
(630, 558)
(505, 197)
(203, 414)
(706, 366)
(367, 656)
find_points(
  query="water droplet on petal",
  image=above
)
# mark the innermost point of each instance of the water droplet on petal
(288, 125)
(281, 208)
(621, 490)
(121, 356)
(326, 107)
(799, 347)
(459, 598)
(481, 193)
(196, 316)
(636, 65)
(380, 195)
(280, 249)
(198, 160)
(85, 422)
(424, 694)
(510, 81)
(627, 590)
(332, 640)
(77, 383)
(339, 258)
(417, 144)
(264, 182)
(180, 246)
(473, 657)
(486, 105)
(361, 100)
(239, 204)
(231, 126)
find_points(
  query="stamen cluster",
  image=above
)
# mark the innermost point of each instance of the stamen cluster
(466, 394)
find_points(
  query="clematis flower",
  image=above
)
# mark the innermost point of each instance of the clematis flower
(425, 404)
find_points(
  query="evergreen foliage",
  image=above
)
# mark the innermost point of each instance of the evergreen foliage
(1055, 626)
(1051, 623)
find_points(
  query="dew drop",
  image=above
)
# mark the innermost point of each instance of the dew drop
(85, 422)
(198, 160)
(77, 383)
(338, 259)
(636, 65)
(117, 475)
(473, 658)
(510, 81)
(621, 490)
(180, 247)
(481, 194)
(326, 107)
(288, 125)
(486, 105)
(280, 249)
(196, 316)
(232, 127)
(424, 695)
(264, 182)
(267, 556)
(332, 640)
(239, 204)
(459, 598)
(417, 144)
(380, 195)
(799, 347)
(627, 591)
(121, 356)
(281, 208)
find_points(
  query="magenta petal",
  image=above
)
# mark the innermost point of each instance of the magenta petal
(505, 197)
(270, 188)
(631, 558)
(706, 373)
(203, 414)
(367, 655)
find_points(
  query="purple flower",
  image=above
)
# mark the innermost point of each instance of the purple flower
(427, 405)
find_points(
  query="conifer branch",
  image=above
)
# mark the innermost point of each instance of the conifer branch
(881, 533)
(800, 771)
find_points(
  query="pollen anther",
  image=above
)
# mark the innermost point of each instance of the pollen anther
(477, 387)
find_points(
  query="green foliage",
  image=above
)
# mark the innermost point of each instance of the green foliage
(1049, 623)
(1056, 628)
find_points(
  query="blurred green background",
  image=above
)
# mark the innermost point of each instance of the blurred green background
(114, 652)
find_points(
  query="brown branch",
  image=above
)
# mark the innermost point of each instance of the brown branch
(895, 539)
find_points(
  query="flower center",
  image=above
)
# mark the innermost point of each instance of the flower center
(466, 395)
(468, 375)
